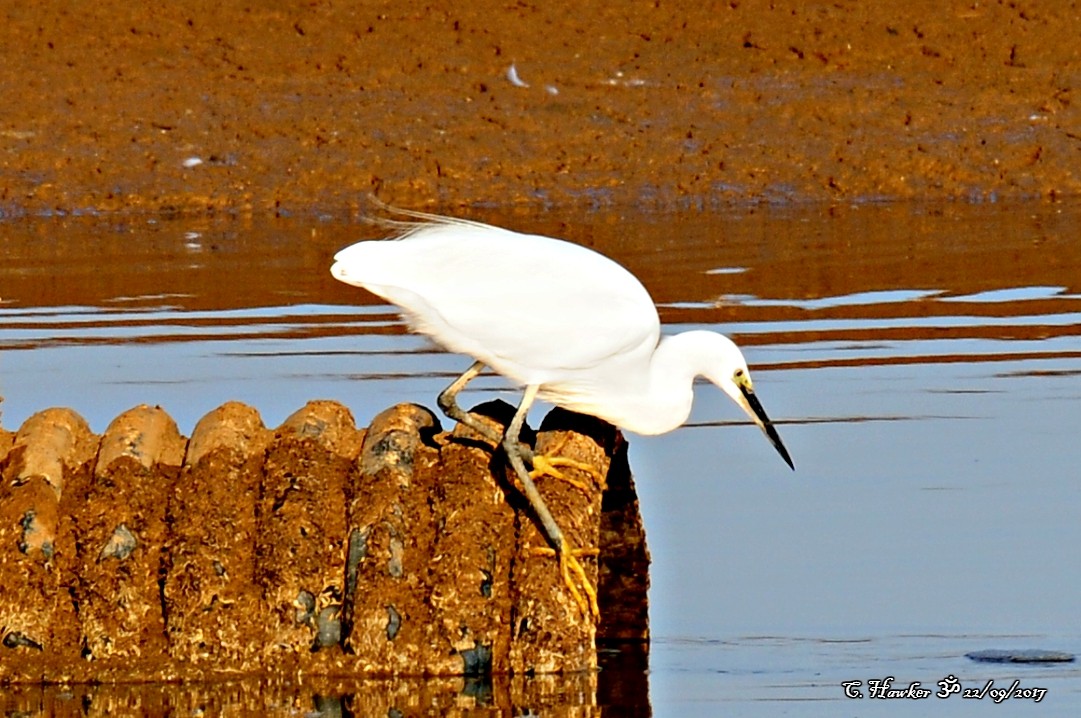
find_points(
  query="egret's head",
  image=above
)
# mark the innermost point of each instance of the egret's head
(735, 379)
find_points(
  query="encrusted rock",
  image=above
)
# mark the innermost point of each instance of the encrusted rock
(313, 549)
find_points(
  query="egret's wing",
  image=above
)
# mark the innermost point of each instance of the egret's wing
(530, 306)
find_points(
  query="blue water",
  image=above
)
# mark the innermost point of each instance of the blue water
(923, 364)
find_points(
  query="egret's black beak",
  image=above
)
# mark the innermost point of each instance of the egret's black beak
(754, 409)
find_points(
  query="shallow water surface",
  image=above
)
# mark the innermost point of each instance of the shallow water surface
(923, 364)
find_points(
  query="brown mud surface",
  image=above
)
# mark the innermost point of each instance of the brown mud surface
(198, 106)
(316, 548)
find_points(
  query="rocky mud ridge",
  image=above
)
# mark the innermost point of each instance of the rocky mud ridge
(315, 548)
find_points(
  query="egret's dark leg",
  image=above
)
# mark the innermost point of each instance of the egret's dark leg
(542, 465)
(448, 403)
(567, 561)
(519, 455)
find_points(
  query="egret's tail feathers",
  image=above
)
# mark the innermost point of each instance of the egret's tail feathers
(417, 220)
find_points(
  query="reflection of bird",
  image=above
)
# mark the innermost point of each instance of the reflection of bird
(570, 325)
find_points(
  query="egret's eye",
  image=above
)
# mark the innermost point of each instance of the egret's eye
(739, 374)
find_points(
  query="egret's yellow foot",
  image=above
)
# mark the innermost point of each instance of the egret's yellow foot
(570, 567)
(544, 465)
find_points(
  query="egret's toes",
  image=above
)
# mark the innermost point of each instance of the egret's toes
(570, 568)
(544, 465)
(567, 560)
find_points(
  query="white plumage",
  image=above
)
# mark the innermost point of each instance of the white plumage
(568, 324)
(549, 314)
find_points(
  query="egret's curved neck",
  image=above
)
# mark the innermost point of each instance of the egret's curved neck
(668, 393)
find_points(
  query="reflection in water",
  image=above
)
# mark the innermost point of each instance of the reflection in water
(620, 688)
(925, 360)
(896, 282)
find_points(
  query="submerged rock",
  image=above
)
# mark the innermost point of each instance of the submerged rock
(1030, 655)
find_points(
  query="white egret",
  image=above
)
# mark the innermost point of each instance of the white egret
(570, 325)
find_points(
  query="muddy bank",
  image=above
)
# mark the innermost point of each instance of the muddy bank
(198, 106)
(316, 548)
